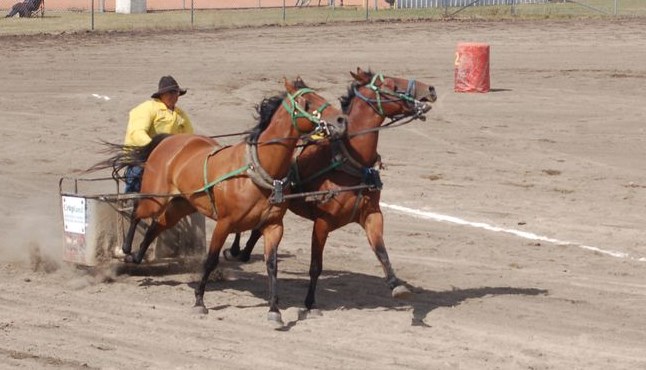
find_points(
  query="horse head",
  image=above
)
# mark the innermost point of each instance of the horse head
(311, 113)
(393, 96)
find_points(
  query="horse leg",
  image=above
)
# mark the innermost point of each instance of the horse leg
(374, 228)
(232, 253)
(272, 235)
(126, 247)
(320, 233)
(175, 211)
(242, 255)
(218, 238)
(245, 254)
(151, 233)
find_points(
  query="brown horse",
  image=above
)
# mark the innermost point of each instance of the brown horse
(351, 162)
(233, 185)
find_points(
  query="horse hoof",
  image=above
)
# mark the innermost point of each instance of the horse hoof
(129, 258)
(401, 292)
(228, 255)
(275, 319)
(304, 313)
(243, 258)
(200, 310)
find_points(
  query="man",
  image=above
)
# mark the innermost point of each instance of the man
(25, 8)
(160, 115)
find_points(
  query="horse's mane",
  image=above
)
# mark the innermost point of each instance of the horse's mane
(266, 108)
(347, 99)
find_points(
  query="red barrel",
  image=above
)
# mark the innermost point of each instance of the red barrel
(472, 67)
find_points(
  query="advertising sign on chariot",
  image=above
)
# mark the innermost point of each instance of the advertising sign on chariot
(74, 214)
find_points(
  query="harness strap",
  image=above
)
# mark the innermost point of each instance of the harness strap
(336, 163)
(352, 167)
(258, 174)
(341, 160)
(253, 169)
(296, 177)
(208, 185)
(356, 205)
(226, 176)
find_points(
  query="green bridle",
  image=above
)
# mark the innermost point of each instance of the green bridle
(296, 112)
(407, 96)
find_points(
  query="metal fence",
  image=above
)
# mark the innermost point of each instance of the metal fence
(58, 16)
(605, 7)
(462, 3)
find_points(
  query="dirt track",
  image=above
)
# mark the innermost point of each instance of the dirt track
(557, 149)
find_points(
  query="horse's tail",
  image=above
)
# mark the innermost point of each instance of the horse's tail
(126, 155)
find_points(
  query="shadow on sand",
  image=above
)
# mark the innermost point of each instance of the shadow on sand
(336, 290)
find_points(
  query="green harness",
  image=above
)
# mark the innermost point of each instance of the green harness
(341, 159)
(295, 111)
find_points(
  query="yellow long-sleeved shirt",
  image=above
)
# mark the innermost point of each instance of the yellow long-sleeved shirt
(152, 117)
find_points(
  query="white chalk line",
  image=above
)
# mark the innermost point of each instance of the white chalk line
(523, 234)
(104, 97)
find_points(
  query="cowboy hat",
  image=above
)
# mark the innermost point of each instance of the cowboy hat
(167, 84)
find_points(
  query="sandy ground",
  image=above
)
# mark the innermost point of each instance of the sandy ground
(556, 149)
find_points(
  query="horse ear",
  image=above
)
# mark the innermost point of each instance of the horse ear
(289, 86)
(361, 76)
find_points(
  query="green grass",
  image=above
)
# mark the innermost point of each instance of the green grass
(56, 22)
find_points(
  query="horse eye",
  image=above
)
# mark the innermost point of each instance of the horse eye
(307, 106)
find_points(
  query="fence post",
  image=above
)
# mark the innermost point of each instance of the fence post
(366, 5)
(284, 11)
(192, 13)
(92, 10)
